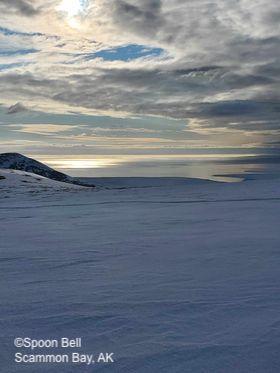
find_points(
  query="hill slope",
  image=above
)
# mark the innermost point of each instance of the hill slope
(21, 182)
(20, 162)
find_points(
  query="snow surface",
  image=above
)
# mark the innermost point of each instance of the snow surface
(172, 275)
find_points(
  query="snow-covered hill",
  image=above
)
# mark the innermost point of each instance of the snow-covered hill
(14, 182)
(20, 162)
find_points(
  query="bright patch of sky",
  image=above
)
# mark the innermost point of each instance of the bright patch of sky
(127, 53)
(8, 32)
(8, 66)
(17, 52)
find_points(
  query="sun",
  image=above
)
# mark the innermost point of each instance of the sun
(71, 7)
(72, 10)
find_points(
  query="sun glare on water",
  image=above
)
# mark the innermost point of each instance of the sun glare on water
(82, 163)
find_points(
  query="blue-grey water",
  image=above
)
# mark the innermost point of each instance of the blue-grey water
(220, 169)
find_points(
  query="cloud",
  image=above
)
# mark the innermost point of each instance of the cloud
(17, 108)
(41, 129)
(23, 7)
(144, 16)
(218, 70)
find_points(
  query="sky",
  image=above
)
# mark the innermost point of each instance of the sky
(139, 79)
